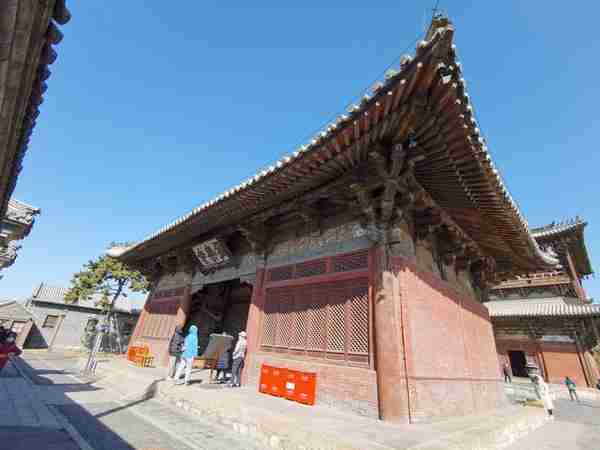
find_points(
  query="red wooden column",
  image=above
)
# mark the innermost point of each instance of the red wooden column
(253, 325)
(185, 305)
(139, 326)
(390, 363)
(575, 277)
(581, 356)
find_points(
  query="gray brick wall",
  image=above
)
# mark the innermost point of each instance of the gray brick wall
(72, 327)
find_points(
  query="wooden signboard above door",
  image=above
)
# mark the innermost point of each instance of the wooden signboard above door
(212, 254)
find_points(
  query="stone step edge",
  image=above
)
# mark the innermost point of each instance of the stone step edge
(481, 437)
(145, 385)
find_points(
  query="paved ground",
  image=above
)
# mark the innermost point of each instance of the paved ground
(576, 427)
(61, 411)
(26, 423)
(96, 418)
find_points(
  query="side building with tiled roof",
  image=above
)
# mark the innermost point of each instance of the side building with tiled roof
(16, 317)
(545, 318)
(62, 325)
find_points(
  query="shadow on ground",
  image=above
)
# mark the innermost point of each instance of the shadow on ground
(89, 426)
(33, 438)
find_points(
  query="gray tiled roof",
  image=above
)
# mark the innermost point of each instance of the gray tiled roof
(557, 307)
(56, 294)
(14, 310)
(557, 227)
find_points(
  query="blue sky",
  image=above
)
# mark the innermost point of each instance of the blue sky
(151, 110)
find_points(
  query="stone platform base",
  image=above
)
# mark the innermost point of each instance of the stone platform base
(275, 423)
(279, 424)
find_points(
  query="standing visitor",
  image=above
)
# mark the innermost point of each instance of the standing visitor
(224, 363)
(239, 353)
(572, 389)
(506, 370)
(175, 350)
(8, 348)
(190, 351)
(543, 392)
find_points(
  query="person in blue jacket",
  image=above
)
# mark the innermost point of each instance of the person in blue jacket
(190, 351)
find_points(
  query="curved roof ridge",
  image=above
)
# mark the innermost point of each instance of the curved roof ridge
(498, 189)
(502, 308)
(558, 227)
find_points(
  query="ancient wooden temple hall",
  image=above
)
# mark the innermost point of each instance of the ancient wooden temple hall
(364, 257)
(545, 318)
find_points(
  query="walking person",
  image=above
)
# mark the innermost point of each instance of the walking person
(507, 376)
(8, 348)
(175, 350)
(190, 351)
(543, 392)
(239, 353)
(572, 389)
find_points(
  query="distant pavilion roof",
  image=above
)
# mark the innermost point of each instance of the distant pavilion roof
(572, 231)
(531, 308)
(457, 168)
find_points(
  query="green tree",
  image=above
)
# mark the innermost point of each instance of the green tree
(107, 279)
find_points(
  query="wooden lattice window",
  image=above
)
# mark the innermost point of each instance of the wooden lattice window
(311, 268)
(300, 318)
(351, 261)
(326, 320)
(281, 273)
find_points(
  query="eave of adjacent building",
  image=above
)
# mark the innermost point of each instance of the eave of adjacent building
(28, 35)
(572, 233)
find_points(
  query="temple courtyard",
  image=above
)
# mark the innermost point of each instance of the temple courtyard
(51, 406)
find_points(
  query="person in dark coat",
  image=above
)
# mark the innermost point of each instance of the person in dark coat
(506, 371)
(223, 365)
(175, 350)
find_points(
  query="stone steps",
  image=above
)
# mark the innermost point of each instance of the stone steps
(280, 424)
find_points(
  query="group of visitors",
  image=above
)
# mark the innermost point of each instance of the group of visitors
(8, 347)
(183, 348)
(542, 389)
(231, 361)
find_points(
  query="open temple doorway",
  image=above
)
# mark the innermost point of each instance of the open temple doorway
(518, 363)
(220, 307)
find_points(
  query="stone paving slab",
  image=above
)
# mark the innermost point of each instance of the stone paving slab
(21, 407)
(35, 438)
(97, 425)
(101, 418)
(576, 427)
